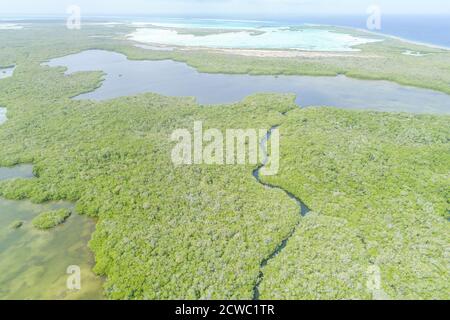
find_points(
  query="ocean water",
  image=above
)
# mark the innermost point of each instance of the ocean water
(429, 29)
(311, 39)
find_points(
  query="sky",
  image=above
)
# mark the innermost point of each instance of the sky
(222, 7)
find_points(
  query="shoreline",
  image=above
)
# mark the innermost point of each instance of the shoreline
(130, 22)
(311, 25)
(430, 45)
(286, 53)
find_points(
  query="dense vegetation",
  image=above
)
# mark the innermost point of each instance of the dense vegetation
(51, 219)
(163, 232)
(376, 61)
(377, 182)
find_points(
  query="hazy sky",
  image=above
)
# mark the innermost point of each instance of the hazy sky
(222, 7)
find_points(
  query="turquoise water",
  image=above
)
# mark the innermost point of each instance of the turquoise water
(245, 35)
(432, 29)
(426, 28)
(309, 39)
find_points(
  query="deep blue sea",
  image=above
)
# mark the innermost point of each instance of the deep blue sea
(432, 29)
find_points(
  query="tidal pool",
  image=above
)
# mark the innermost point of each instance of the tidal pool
(33, 263)
(125, 77)
(6, 72)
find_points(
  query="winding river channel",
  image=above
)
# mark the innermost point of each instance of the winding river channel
(303, 211)
(33, 263)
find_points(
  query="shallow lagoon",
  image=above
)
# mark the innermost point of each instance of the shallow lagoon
(33, 263)
(304, 38)
(127, 77)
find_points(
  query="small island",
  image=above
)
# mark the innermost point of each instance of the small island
(51, 219)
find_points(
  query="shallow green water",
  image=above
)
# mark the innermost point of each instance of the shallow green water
(33, 263)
